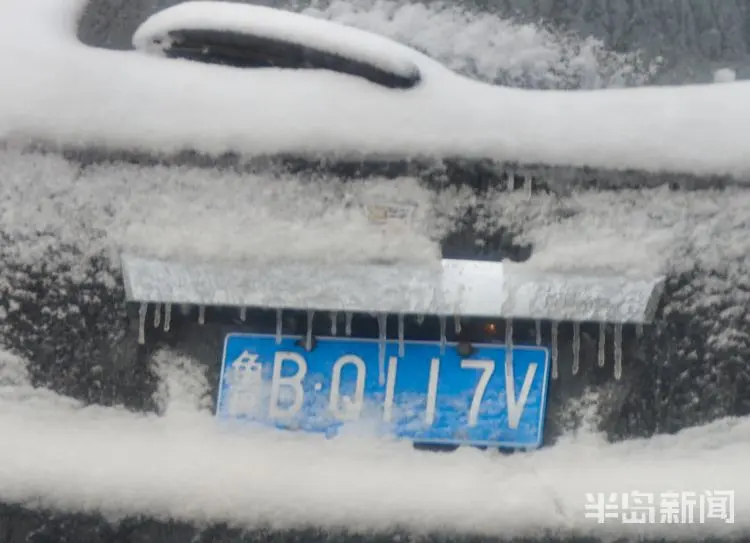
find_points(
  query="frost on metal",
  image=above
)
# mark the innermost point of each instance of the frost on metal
(449, 287)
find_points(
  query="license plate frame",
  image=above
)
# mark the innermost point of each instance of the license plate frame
(514, 421)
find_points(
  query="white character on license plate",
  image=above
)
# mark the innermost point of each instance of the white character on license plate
(287, 392)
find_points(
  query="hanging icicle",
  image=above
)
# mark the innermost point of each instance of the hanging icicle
(348, 324)
(618, 351)
(279, 324)
(510, 182)
(602, 343)
(308, 337)
(576, 347)
(528, 185)
(420, 319)
(457, 324)
(382, 329)
(401, 335)
(508, 346)
(334, 323)
(443, 322)
(639, 331)
(538, 327)
(157, 315)
(202, 314)
(554, 350)
(167, 317)
(509, 333)
(243, 314)
(142, 310)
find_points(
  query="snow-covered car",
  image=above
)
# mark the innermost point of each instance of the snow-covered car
(344, 231)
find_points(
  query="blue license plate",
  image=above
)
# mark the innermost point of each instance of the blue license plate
(418, 391)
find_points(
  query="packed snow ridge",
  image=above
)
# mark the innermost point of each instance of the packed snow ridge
(62, 93)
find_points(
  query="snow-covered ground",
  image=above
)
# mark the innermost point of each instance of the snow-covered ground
(181, 465)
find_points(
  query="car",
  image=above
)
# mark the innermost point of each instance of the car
(342, 230)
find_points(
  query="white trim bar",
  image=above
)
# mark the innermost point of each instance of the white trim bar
(452, 288)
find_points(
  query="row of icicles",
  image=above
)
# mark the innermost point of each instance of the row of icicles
(443, 320)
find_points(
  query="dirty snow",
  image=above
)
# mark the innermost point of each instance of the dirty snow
(181, 465)
(61, 92)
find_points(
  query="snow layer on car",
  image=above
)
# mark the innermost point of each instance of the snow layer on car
(164, 212)
(284, 26)
(59, 454)
(60, 92)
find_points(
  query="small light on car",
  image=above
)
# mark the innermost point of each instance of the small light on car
(490, 329)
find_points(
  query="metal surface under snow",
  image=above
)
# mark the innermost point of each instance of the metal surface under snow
(422, 391)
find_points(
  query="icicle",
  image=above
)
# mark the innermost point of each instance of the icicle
(639, 331)
(420, 319)
(167, 317)
(279, 324)
(457, 324)
(509, 333)
(308, 337)
(527, 185)
(538, 325)
(443, 322)
(202, 315)
(618, 351)
(243, 314)
(142, 323)
(509, 347)
(348, 324)
(157, 315)
(401, 335)
(334, 319)
(576, 347)
(554, 350)
(602, 343)
(382, 328)
(510, 182)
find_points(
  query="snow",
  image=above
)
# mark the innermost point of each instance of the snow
(65, 94)
(167, 213)
(491, 48)
(725, 75)
(182, 465)
(279, 25)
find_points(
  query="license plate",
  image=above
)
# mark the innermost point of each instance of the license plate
(422, 391)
